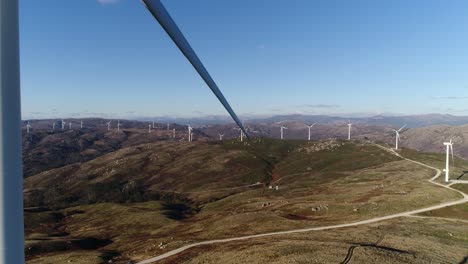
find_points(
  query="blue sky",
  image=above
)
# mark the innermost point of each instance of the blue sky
(110, 58)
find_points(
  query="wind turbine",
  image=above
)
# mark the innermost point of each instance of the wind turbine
(173, 133)
(118, 125)
(167, 126)
(349, 130)
(397, 135)
(63, 124)
(81, 124)
(310, 127)
(149, 128)
(28, 126)
(449, 146)
(189, 133)
(69, 125)
(53, 126)
(109, 125)
(221, 136)
(159, 12)
(282, 128)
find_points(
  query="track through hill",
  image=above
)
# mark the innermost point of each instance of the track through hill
(351, 224)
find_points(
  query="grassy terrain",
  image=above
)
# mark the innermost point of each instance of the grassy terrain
(403, 240)
(320, 183)
(438, 160)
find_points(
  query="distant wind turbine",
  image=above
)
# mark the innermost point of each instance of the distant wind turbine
(109, 125)
(28, 126)
(189, 133)
(153, 124)
(310, 127)
(397, 135)
(449, 146)
(173, 133)
(282, 132)
(159, 12)
(349, 130)
(63, 124)
(81, 124)
(118, 125)
(221, 136)
(70, 125)
(53, 126)
(149, 128)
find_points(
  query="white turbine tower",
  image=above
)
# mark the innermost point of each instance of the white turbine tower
(168, 126)
(118, 125)
(109, 125)
(349, 130)
(63, 124)
(28, 126)
(282, 132)
(173, 133)
(397, 135)
(81, 124)
(53, 126)
(149, 128)
(449, 146)
(69, 125)
(153, 124)
(310, 127)
(189, 133)
(221, 136)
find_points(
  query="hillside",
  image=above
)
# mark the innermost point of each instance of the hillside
(143, 200)
(46, 149)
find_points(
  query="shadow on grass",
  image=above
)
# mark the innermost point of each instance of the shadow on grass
(177, 211)
(464, 260)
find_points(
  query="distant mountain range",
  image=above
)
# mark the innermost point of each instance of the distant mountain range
(412, 121)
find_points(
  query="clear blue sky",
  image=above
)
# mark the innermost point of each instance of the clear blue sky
(111, 58)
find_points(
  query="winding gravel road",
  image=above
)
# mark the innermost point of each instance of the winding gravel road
(363, 222)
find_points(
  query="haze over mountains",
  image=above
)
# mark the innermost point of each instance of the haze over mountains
(394, 120)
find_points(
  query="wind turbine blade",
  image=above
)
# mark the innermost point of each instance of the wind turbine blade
(159, 12)
(451, 150)
(401, 128)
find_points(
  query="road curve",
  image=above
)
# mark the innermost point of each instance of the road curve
(363, 222)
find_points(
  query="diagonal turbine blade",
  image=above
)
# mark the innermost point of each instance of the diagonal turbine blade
(401, 128)
(159, 12)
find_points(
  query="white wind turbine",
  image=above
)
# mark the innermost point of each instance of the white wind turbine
(310, 127)
(282, 132)
(349, 130)
(149, 128)
(397, 135)
(221, 136)
(153, 124)
(81, 124)
(449, 146)
(118, 125)
(70, 125)
(53, 126)
(109, 125)
(63, 124)
(189, 133)
(173, 133)
(28, 126)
